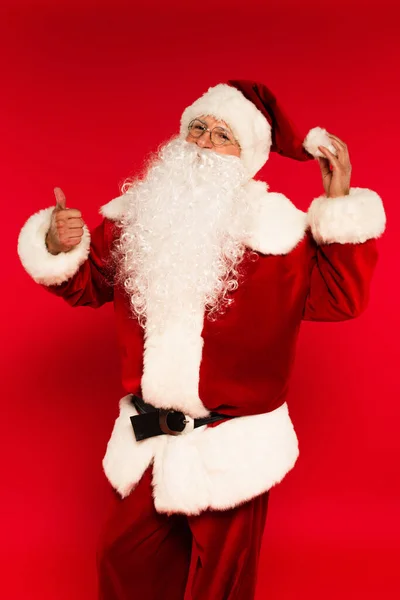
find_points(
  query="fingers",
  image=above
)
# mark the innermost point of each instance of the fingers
(61, 204)
(342, 152)
(338, 140)
(69, 237)
(61, 201)
(64, 219)
(74, 222)
(324, 166)
(67, 228)
(334, 161)
(64, 226)
(73, 213)
(74, 241)
(341, 147)
(68, 213)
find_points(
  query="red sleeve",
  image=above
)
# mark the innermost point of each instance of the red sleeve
(340, 280)
(92, 284)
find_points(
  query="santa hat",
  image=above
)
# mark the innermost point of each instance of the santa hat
(258, 123)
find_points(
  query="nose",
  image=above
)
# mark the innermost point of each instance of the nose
(204, 141)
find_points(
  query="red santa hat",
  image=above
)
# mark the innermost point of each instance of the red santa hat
(258, 122)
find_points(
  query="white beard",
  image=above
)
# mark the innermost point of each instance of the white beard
(180, 244)
(178, 250)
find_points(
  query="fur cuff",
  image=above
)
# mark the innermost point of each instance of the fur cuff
(46, 268)
(351, 219)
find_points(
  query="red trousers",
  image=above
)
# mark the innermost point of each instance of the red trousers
(145, 555)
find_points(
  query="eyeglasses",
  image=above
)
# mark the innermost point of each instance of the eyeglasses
(218, 135)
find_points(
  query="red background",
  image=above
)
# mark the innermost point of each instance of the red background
(89, 88)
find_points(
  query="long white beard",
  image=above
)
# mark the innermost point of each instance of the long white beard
(179, 246)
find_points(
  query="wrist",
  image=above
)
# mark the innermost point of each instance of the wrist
(339, 194)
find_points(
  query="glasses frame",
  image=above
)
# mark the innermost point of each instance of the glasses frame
(228, 143)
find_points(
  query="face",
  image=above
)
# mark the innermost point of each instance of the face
(204, 141)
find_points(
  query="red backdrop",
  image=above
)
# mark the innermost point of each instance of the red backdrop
(89, 88)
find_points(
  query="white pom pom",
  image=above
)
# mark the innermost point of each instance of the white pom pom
(318, 137)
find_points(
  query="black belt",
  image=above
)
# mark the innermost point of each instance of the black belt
(152, 421)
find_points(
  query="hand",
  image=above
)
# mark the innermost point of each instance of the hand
(66, 226)
(335, 170)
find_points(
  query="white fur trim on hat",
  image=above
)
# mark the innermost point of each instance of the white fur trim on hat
(318, 137)
(248, 124)
(43, 266)
(351, 219)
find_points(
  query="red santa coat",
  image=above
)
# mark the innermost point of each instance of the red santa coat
(316, 266)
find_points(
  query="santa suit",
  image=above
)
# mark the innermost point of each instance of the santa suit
(204, 494)
(316, 266)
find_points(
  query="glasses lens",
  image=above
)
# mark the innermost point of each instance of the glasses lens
(196, 128)
(220, 136)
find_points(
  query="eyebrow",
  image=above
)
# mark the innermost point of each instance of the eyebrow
(220, 126)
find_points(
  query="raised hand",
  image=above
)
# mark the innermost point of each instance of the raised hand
(66, 227)
(335, 170)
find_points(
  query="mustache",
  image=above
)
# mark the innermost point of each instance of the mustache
(191, 149)
(181, 154)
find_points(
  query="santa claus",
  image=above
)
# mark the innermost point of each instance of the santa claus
(211, 276)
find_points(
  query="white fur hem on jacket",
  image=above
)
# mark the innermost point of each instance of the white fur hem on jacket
(208, 468)
(46, 268)
(351, 219)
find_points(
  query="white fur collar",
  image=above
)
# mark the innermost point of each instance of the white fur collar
(278, 226)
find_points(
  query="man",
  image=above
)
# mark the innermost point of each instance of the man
(211, 276)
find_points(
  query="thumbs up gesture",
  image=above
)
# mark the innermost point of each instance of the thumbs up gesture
(66, 226)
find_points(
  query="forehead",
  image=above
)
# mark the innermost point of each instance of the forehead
(213, 122)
